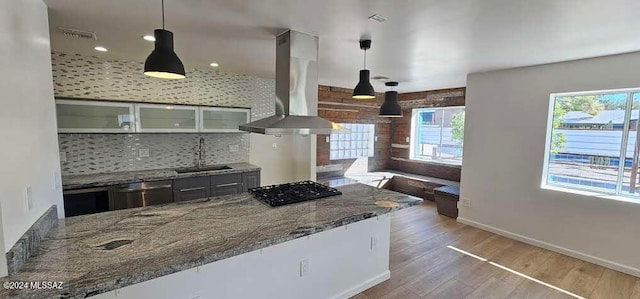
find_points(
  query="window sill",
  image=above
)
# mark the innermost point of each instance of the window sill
(592, 194)
(439, 163)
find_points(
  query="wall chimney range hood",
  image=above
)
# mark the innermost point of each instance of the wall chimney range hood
(296, 90)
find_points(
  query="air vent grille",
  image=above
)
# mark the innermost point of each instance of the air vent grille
(79, 34)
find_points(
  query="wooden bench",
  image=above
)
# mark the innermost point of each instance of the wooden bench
(447, 198)
(417, 185)
(407, 183)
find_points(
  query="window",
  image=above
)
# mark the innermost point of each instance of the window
(437, 134)
(592, 142)
(355, 144)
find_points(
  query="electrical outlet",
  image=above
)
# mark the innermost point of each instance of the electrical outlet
(274, 145)
(327, 139)
(28, 198)
(375, 138)
(63, 156)
(374, 243)
(466, 203)
(143, 152)
(304, 267)
(407, 139)
(234, 147)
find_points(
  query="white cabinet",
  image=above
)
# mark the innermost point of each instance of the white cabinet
(157, 118)
(223, 120)
(75, 116)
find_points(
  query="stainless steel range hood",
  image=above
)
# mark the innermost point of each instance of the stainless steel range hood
(296, 90)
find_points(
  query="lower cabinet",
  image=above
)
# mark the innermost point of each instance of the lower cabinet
(214, 185)
(250, 180)
(226, 184)
(191, 188)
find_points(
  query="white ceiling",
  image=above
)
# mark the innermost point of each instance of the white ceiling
(424, 44)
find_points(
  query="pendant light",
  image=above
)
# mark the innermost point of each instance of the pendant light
(390, 107)
(364, 90)
(163, 61)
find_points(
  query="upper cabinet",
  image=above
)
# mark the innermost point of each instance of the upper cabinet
(81, 116)
(222, 120)
(94, 117)
(152, 118)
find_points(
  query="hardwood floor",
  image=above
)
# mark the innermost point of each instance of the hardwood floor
(433, 256)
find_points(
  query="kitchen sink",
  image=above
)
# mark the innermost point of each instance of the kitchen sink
(203, 168)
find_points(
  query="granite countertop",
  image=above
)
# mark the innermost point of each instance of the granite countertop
(98, 253)
(115, 178)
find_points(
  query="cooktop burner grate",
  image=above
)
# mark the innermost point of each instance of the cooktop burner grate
(284, 194)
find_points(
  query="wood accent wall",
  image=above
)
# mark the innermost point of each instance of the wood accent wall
(336, 104)
(401, 130)
(392, 148)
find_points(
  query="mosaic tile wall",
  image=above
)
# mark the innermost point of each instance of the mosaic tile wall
(98, 153)
(89, 77)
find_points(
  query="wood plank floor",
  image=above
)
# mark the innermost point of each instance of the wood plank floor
(433, 256)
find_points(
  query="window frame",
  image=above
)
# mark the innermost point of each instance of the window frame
(574, 188)
(370, 142)
(412, 139)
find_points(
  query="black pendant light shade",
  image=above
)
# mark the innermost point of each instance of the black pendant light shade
(364, 90)
(390, 107)
(163, 61)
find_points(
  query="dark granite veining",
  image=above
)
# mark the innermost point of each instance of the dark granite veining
(92, 253)
(30, 240)
(115, 178)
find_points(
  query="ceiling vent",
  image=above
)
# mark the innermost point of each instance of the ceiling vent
(79, 34)
(380, 78)
(377, 18)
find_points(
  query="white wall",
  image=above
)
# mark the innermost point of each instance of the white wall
(505, 130)
(290, 160)
(29, 151)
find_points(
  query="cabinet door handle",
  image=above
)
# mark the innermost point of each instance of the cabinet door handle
(129, 190)
(191, 189)
(227, 185)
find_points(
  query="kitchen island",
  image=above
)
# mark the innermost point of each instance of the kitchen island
(222, 247)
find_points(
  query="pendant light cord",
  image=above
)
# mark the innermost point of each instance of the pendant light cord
(162, 14)
(365, 57)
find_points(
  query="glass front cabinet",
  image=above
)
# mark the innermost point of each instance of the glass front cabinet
(94, 117)
(223, 120)
(157, 118)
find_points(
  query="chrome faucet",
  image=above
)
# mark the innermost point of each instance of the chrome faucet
(201, 153)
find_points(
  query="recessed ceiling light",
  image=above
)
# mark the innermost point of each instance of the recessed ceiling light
(149, 38)
(377, 18)
(214, 64)
(100, 48)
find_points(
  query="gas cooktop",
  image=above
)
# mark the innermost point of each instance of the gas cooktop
(284, 194)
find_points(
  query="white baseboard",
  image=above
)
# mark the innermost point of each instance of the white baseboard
(364, 286)
(552, 247)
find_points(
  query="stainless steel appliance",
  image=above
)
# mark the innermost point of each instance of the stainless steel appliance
(296, 90)
(142, 194)
(86, 201)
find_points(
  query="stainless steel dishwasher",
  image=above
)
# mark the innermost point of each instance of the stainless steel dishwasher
(142, 194)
